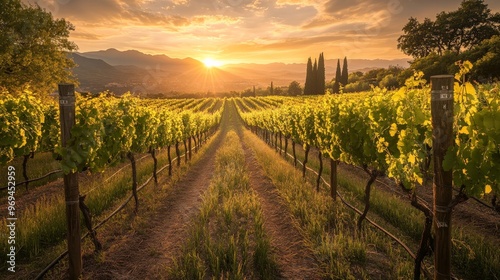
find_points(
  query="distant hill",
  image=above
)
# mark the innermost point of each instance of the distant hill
(364, 65)
(95, 74)
(137, 58)
(297, 71)
(121, 71)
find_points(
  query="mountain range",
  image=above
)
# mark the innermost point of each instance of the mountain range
(132, 70)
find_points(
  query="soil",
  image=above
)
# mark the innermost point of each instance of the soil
(146, 254)
(294, 258)
(150, 252)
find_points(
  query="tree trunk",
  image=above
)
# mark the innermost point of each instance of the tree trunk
(87, 217)
(185, 151)
(25, 170)
(320, 171)
(333, 178)
(155, 165)
(178, 153)
(425, 241)
(373, 177)
(306, 154)
(169, 161)
(276, 141)
(134, 181)
(281, 143)
(286, 146)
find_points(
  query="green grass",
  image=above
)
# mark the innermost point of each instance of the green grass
(227, 239)
(473, 256)
(39, 165)
(43, 224)
(123, 222)
(330, 227)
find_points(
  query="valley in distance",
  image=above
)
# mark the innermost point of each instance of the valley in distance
(160, 75)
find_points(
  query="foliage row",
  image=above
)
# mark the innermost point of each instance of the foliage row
(391, 131)
(106, 128)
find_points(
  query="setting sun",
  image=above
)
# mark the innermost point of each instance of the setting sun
(210, 62)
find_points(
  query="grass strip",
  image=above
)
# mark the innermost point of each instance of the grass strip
(44, 222)
(473, 256)
(330, 227)
(227, 239)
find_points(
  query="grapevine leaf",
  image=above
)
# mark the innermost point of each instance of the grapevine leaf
(449, 159)
(464, 130)
(487, 189)
(411, 159)
(393, 130)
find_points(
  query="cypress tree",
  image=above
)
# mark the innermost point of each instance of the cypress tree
(321, 74)
(338, 78)
(345, 73)
(272, 89)
(314, 88)
(309, 76)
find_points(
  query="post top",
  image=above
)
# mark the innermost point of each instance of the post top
(442, 76)
(66, 90)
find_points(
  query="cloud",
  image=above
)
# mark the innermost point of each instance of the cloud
(85, 35)
(115, 12)
(300, 3)
(256, 29)
(368, 12)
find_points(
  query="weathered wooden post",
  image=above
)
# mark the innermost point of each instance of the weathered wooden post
(442, 136)
(333, 178)
(71, 192)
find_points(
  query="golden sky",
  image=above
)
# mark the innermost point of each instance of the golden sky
(250, 31)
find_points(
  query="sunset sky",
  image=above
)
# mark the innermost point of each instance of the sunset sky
(233, 31)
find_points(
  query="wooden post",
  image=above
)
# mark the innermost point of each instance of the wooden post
(189, 148)
(442, 136)
(71, 192)
(25, 170)
(320, 171)
(131, 157)
(333, 178)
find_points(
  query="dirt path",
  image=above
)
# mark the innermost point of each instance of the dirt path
(149, 252)
(146, 254)
(295, 259)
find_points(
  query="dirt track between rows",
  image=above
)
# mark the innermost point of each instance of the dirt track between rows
(149, 253)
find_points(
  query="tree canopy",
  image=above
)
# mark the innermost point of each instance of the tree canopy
(321, 74)
(345, 73)
(33, 48)
(486, 59)
(454, 31)
(308, 86)
(315, 76)
(338, 78)
(294, 88)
